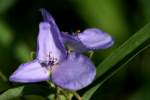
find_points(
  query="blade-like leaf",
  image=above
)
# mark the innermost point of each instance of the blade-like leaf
(129, 47)
(12, 93)
(120, 56)
(88, 94)
(25, 90)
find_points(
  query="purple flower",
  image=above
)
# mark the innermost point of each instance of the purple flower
(69, 70)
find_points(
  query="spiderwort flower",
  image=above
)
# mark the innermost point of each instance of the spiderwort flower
(72, 70)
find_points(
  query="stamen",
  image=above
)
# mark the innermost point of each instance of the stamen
(52, 60)
(44, 64)
(78, 31)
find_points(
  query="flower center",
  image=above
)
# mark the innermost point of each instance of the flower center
(51, 61)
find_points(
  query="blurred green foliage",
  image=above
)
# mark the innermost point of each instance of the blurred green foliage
(6, 35)
(121, 18)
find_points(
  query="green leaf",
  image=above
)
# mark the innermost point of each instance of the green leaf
(88, 94)
(120, 56)
(12, 93)
(25, 90)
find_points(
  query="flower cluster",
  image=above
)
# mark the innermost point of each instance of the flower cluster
(68, 70)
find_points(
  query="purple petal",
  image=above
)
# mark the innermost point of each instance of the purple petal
(89, 39)
(74, 42)
(74, 73)
(54, 28)
(47, 17)
(96, 39)
(50, 44)
(30, 72)
(49, 47)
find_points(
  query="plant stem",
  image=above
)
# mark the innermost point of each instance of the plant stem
(65, 93)
(3, 76)
(51, 84)
(91, 54)
(77, 95)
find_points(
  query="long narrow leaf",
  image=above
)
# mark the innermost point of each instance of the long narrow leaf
(25, 90)
(120, 56)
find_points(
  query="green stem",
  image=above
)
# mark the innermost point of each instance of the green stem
(51, 84)
(57, 93)
(3, 76)
(66, 94)
(91, 54)
(77, 95)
